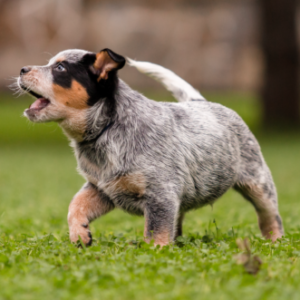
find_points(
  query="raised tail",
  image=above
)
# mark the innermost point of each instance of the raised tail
(181, 90)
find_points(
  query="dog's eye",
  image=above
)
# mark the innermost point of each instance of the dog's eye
(60, 68)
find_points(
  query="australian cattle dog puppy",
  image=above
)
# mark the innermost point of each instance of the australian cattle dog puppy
(148, 158)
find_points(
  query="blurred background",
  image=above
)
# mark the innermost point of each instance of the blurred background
(241, 53)
(213, 44)
(220, 45)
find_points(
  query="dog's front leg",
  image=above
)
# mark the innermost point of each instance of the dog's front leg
(161, 220)
(87, 205)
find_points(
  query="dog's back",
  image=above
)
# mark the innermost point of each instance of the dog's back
(220, 150)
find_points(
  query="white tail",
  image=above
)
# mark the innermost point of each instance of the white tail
(181, 90)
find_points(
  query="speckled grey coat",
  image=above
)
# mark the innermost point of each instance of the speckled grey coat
(186, 154)
(148, 158)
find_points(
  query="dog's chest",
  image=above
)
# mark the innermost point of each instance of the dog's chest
(130, 183)
(89, 170)
(126, 191)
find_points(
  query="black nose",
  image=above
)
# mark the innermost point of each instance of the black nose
(25, 70)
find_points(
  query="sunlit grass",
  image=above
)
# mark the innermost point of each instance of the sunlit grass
(38, 179)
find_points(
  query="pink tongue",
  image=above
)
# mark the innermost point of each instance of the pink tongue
(39, 103)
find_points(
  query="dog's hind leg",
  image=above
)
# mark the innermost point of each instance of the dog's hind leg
(261, 192)
(160, 220)
(87, 205)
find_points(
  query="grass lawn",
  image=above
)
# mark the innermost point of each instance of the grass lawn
(38, 179)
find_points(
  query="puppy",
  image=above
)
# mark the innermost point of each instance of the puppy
(154, 159)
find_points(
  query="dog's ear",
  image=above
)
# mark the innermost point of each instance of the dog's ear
(107, 61)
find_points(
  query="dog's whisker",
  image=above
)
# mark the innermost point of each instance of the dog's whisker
(12, 78)
(16, 88)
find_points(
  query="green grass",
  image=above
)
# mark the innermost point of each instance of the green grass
(38, 179)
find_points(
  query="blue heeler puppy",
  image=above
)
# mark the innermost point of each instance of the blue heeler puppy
(154, 159)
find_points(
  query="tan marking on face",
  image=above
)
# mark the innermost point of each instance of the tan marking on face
(76, 96)
(133, 183)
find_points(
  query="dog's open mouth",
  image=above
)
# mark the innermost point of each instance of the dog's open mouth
(40, 103)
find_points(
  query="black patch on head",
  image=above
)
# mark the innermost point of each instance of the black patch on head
(88, 59)
(81, 72)
(62, 78)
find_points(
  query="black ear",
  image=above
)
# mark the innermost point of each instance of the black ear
(107, 61)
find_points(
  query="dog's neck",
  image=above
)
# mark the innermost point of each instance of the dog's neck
(86, 124)
(109, 136)
(123, 109)
(106, 112)
(74, 126)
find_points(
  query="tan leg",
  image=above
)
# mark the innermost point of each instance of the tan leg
(86, 206)
(264, 199)
(160, 222)
(161, 238)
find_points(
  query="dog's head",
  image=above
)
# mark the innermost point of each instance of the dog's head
(70, 83)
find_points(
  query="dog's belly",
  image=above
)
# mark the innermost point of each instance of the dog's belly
(130, 204)
(210, 175)
(204, 195)
(126, 192)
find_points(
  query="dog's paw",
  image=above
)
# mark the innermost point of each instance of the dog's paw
(82, 231)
